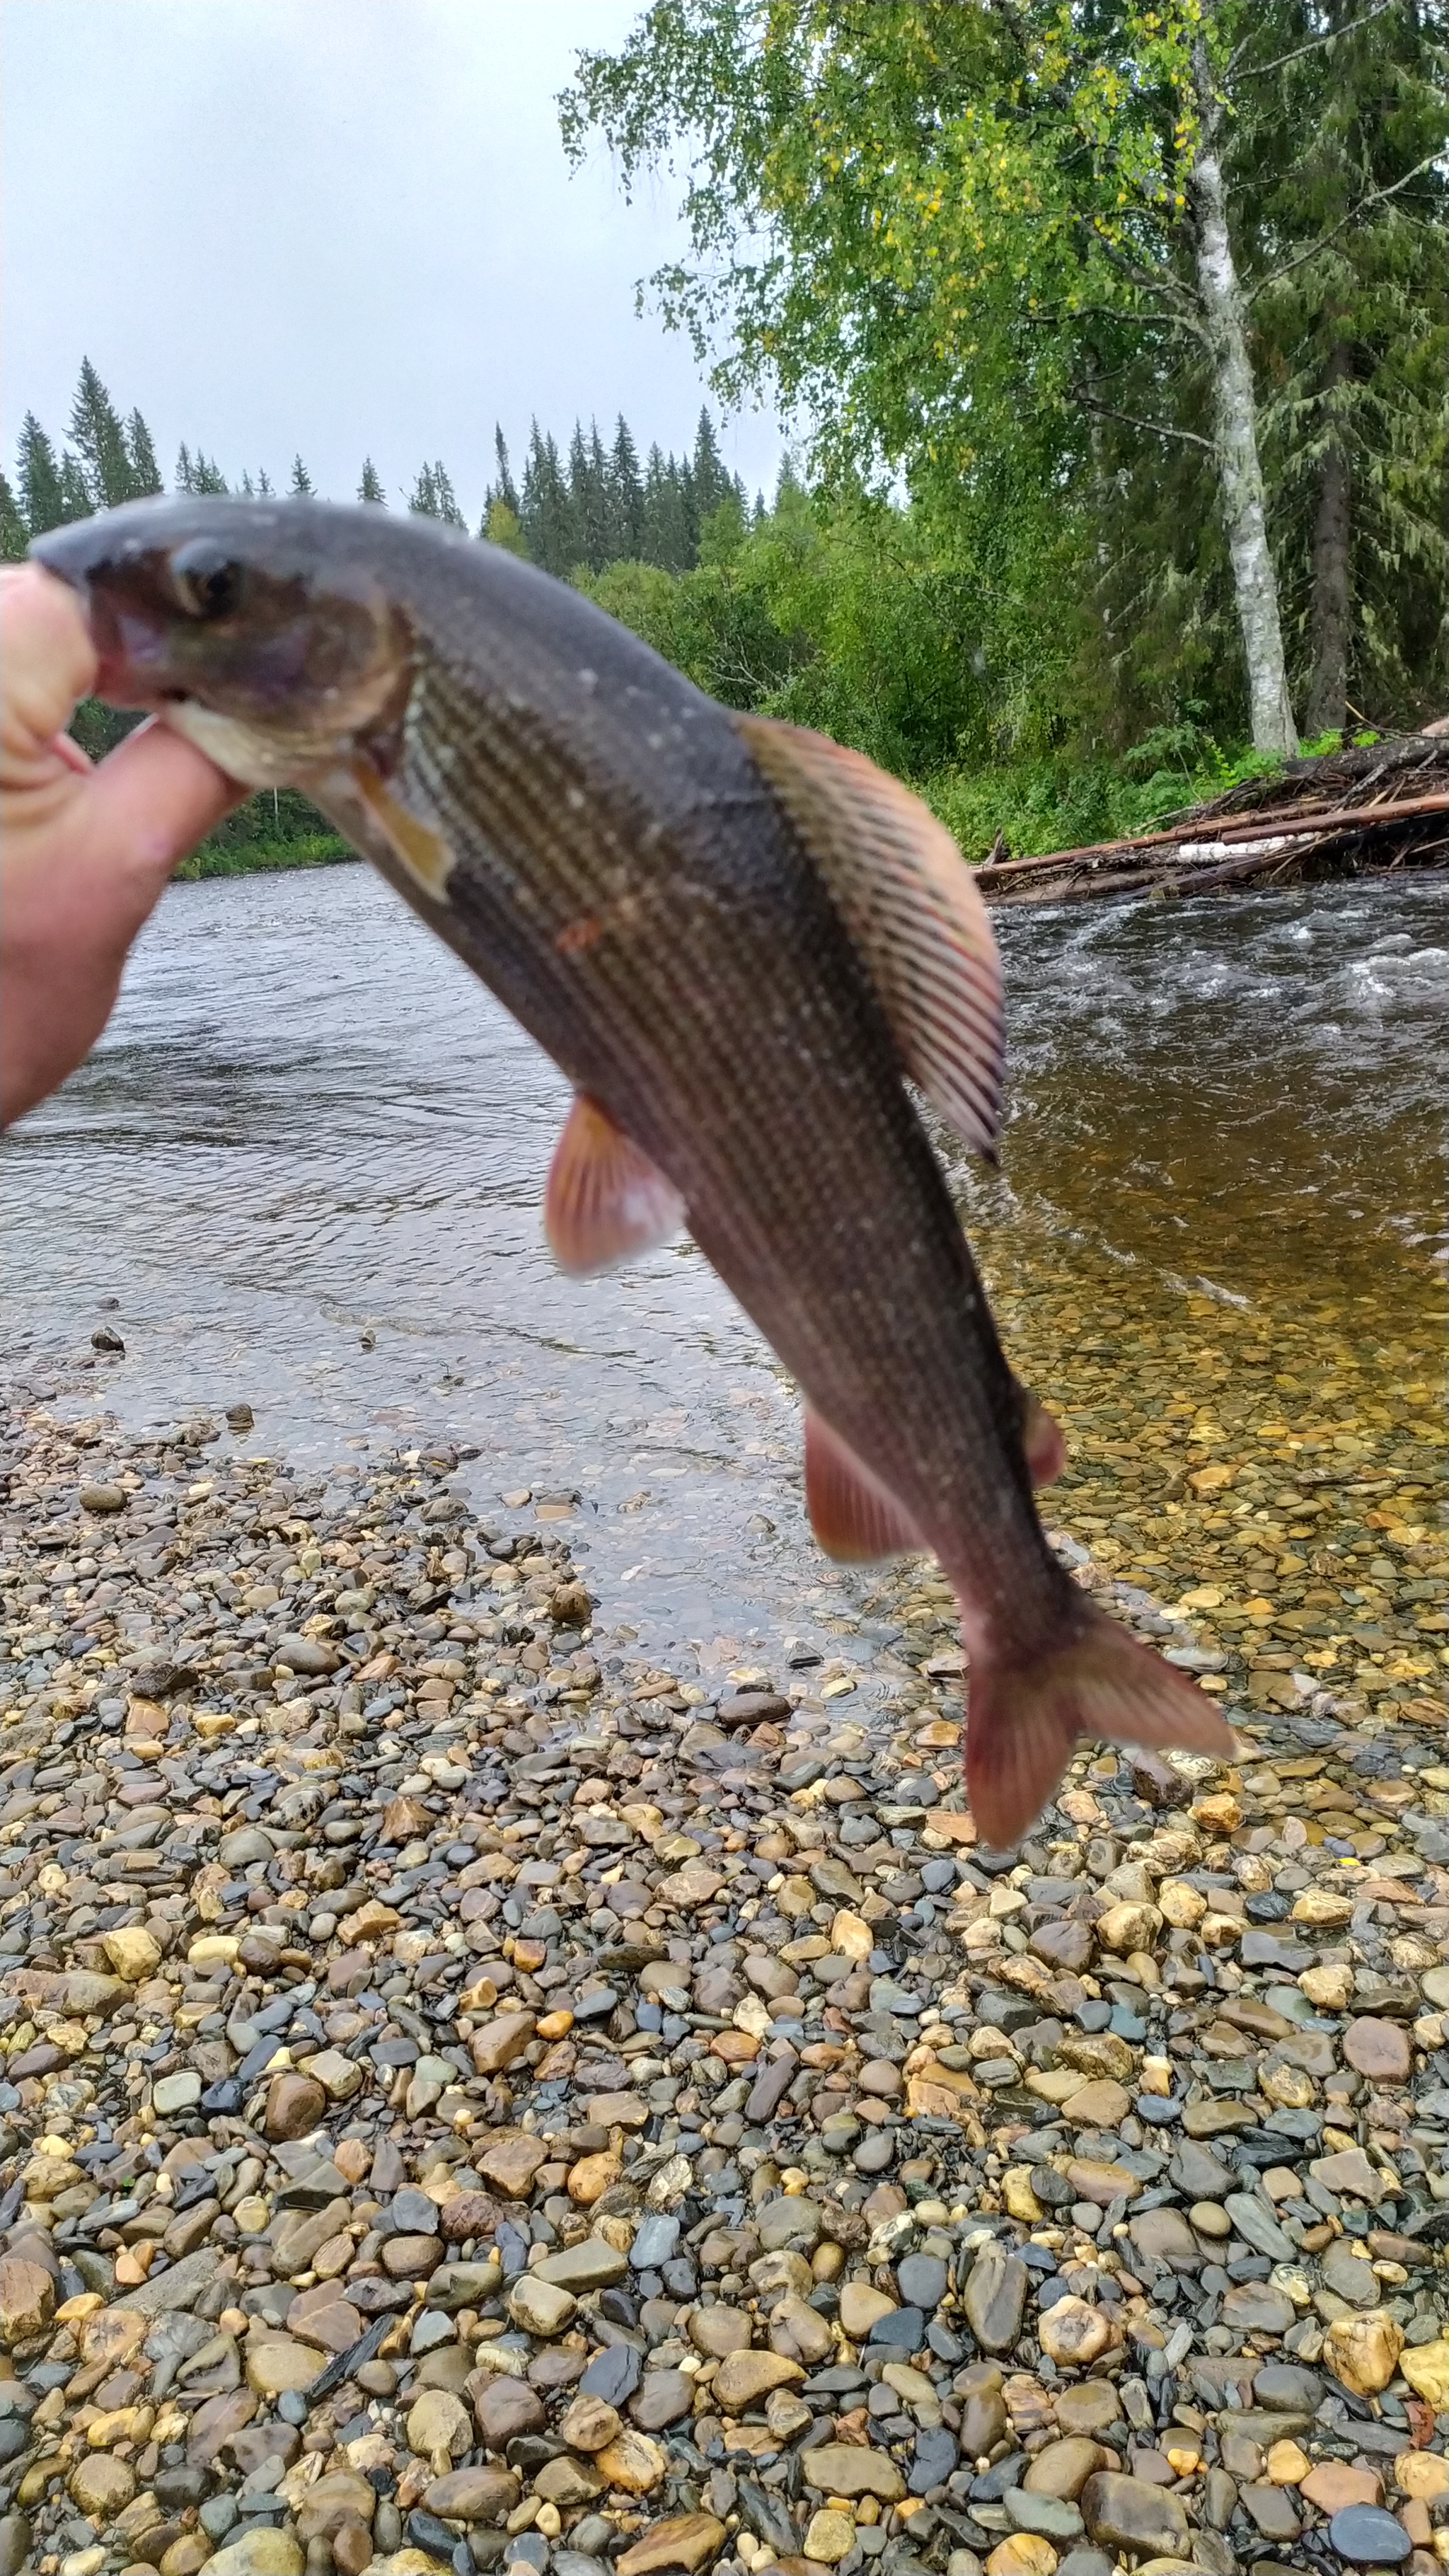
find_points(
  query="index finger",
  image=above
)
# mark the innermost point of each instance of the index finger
(47, 659)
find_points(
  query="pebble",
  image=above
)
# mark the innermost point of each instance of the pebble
(464, 2087)
(1367, 2537)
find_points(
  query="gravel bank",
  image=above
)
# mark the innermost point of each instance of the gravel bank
(472, 2098)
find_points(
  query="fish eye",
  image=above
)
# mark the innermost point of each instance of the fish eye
(206, 581)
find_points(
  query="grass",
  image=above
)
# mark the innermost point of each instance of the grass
(257, 858)
(1061, 804)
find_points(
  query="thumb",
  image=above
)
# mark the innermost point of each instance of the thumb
(150, 801)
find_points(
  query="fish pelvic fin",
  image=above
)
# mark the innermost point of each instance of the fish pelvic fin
(604, 1200)
(1042, 1439)
(1023, 1719)
(913, 910)
(854, 1517)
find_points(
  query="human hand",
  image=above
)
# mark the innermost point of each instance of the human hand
(84, 852)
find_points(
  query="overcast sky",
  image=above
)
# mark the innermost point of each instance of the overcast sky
(339, 226)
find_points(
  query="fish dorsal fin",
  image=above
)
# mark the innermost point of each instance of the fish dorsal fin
(603, 1199)
(853, 1516)
(912, 907)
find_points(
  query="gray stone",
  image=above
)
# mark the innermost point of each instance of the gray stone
(655, 2239)
(590, 2265)
(1050, 2517)
(1349, 2275)
(1255, 2222)
(1368, 2537)
(789, 2221)
(179, 2286)
(995, 2298)
(1199, 2174)
(921, 2280)
(1128, 2513)
(663, 2397)
(238, 1850)
(1287, 2385)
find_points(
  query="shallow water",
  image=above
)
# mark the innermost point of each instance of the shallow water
(308, 1123)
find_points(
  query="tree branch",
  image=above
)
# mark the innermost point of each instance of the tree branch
(1375, 197)
(1154, 428)
(1330, 36)
(1148, 281)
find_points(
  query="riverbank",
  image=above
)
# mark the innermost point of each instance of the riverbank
(266, 858)
(462, 2079)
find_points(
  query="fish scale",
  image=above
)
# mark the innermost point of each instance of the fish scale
(734, 938)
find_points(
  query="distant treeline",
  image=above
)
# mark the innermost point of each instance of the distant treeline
(573, 515)
(596, 507)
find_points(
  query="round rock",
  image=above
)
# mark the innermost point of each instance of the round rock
(1366, 2536)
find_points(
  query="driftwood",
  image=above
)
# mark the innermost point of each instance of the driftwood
(1377, 807)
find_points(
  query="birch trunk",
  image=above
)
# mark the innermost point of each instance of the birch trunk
(1240, 473)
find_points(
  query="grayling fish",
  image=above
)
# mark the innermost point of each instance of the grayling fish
(734, 938)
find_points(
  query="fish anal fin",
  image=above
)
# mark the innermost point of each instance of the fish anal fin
(912, 908)
(854, 1518)
(604, 1200)
(1024, 1719)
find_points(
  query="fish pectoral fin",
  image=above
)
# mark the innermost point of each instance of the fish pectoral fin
(854, 1516)
(912, 907)
(358, 799)
(604, 1200)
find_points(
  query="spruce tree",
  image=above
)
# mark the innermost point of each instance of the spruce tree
(264, 485)
(666, 514)
(141, 457)
(185, 470)
(75, 496)
(504, 489)
(100, 442)
(545, 514)
(447, 499)
(709, 479)
(589, 498)
(370, 488)
(42, 500)
(628, 491)
(14, 537)
(207, 475)
(302, 486)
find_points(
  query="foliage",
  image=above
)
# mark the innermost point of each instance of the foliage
(959, 240)
(261, 856)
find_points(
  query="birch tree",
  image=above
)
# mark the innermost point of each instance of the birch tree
(967, 240)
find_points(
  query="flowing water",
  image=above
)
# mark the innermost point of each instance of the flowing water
(304, 1169)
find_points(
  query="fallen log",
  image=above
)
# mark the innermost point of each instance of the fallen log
(1297, 824)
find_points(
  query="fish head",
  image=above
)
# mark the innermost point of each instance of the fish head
(243, 624)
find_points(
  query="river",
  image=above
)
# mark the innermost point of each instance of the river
(303, 1169)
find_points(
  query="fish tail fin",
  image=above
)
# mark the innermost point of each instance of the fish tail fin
(1024, 1718)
